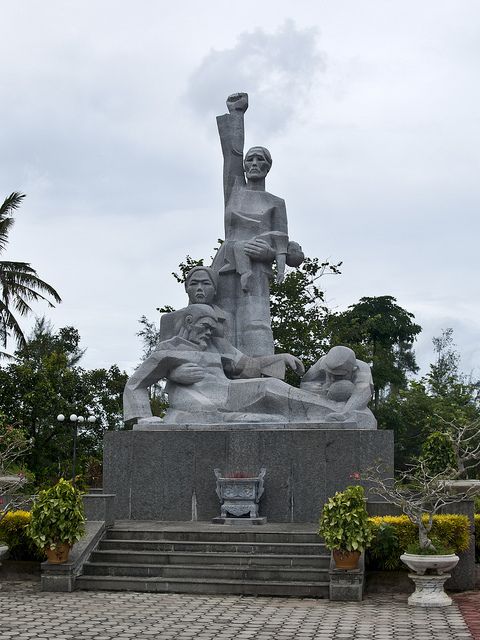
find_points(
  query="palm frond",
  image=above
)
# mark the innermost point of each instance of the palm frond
(20, 279)
(8, 326)
(19, 282)
(12, 202)
(6, 221)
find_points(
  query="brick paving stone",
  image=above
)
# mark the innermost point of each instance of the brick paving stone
(28, 614)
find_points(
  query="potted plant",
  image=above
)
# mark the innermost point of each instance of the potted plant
(344, 526)
(57, 520)
(420, 494)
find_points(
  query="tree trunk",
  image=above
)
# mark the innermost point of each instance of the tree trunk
(424, 540)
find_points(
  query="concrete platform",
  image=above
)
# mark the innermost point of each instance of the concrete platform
(168, 475)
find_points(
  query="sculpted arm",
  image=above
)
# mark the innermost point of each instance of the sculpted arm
(136, 399)
(232, 137)
(314, 379)
(281, 242)
(161, 364)
(238, 365)
(362, 393)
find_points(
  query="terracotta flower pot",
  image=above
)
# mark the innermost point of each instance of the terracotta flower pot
(59, 554)
(346, 559)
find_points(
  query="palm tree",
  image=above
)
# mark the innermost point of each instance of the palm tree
(19, 282)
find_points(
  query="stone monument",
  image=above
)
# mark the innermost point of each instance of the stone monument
(229, 407)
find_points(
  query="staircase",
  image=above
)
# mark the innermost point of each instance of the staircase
(192, 557)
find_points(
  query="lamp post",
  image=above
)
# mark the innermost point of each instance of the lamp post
(75, 420)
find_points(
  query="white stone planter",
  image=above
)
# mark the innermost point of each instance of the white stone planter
(421, 564)
(429, 589)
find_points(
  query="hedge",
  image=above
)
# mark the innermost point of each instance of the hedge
(13, 533)
(393, 534)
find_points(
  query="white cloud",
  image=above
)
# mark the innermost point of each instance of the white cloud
(277, 69)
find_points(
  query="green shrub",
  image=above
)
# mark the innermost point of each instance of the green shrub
(450, 531)
(477, 537)
(438, 453)
(57, 516)
(344, 522)
(384, 551)
(14, 532)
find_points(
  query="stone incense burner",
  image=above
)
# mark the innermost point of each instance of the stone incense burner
(239, 496)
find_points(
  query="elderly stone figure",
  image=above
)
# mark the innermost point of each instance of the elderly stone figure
(210, 381)
(346, 383)
(256, 235)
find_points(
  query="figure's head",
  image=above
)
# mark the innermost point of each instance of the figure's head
(341, 362)
(198, 324)
(257, 163)
(201, 285)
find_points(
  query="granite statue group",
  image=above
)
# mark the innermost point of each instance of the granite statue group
(217, 354)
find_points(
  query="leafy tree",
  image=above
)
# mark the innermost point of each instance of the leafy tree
(19, 282)
(381, 333)
(14, 446)
(443, 395)
(44, 381)
(299, 313)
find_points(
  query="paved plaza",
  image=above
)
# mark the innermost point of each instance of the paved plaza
(26, 612)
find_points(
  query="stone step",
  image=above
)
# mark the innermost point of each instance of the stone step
(225, 534)
(303, 548)
(318, 589)
(319, 561)
(199, 572)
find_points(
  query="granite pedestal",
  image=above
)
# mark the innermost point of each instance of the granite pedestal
(168, 475)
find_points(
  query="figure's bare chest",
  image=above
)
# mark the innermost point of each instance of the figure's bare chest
(249, 213)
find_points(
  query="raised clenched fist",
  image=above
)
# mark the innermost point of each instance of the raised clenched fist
(237, 102)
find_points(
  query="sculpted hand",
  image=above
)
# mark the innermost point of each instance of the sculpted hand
(337, 417)
(259, 250)
(237, 102)
(294, 363)
(188, 373)
(280, 277)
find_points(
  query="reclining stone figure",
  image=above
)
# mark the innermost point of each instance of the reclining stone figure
(345, 382)
(210, 381)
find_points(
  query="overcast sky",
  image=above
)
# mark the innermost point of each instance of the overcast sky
(370, 110)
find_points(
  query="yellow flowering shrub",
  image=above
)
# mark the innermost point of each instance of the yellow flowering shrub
(393, 534)
(15, 535)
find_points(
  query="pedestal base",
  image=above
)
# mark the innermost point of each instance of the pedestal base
(429, 591)
(168, 475)
(239, 522)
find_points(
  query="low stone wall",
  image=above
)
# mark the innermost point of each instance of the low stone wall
(168, 475)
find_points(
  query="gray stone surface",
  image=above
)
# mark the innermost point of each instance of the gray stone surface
(199, 365)
(256, 236)
(61, 577)
(347, 382)
(168, 475)
(346, 586)
(217, 355)
(100, 506)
